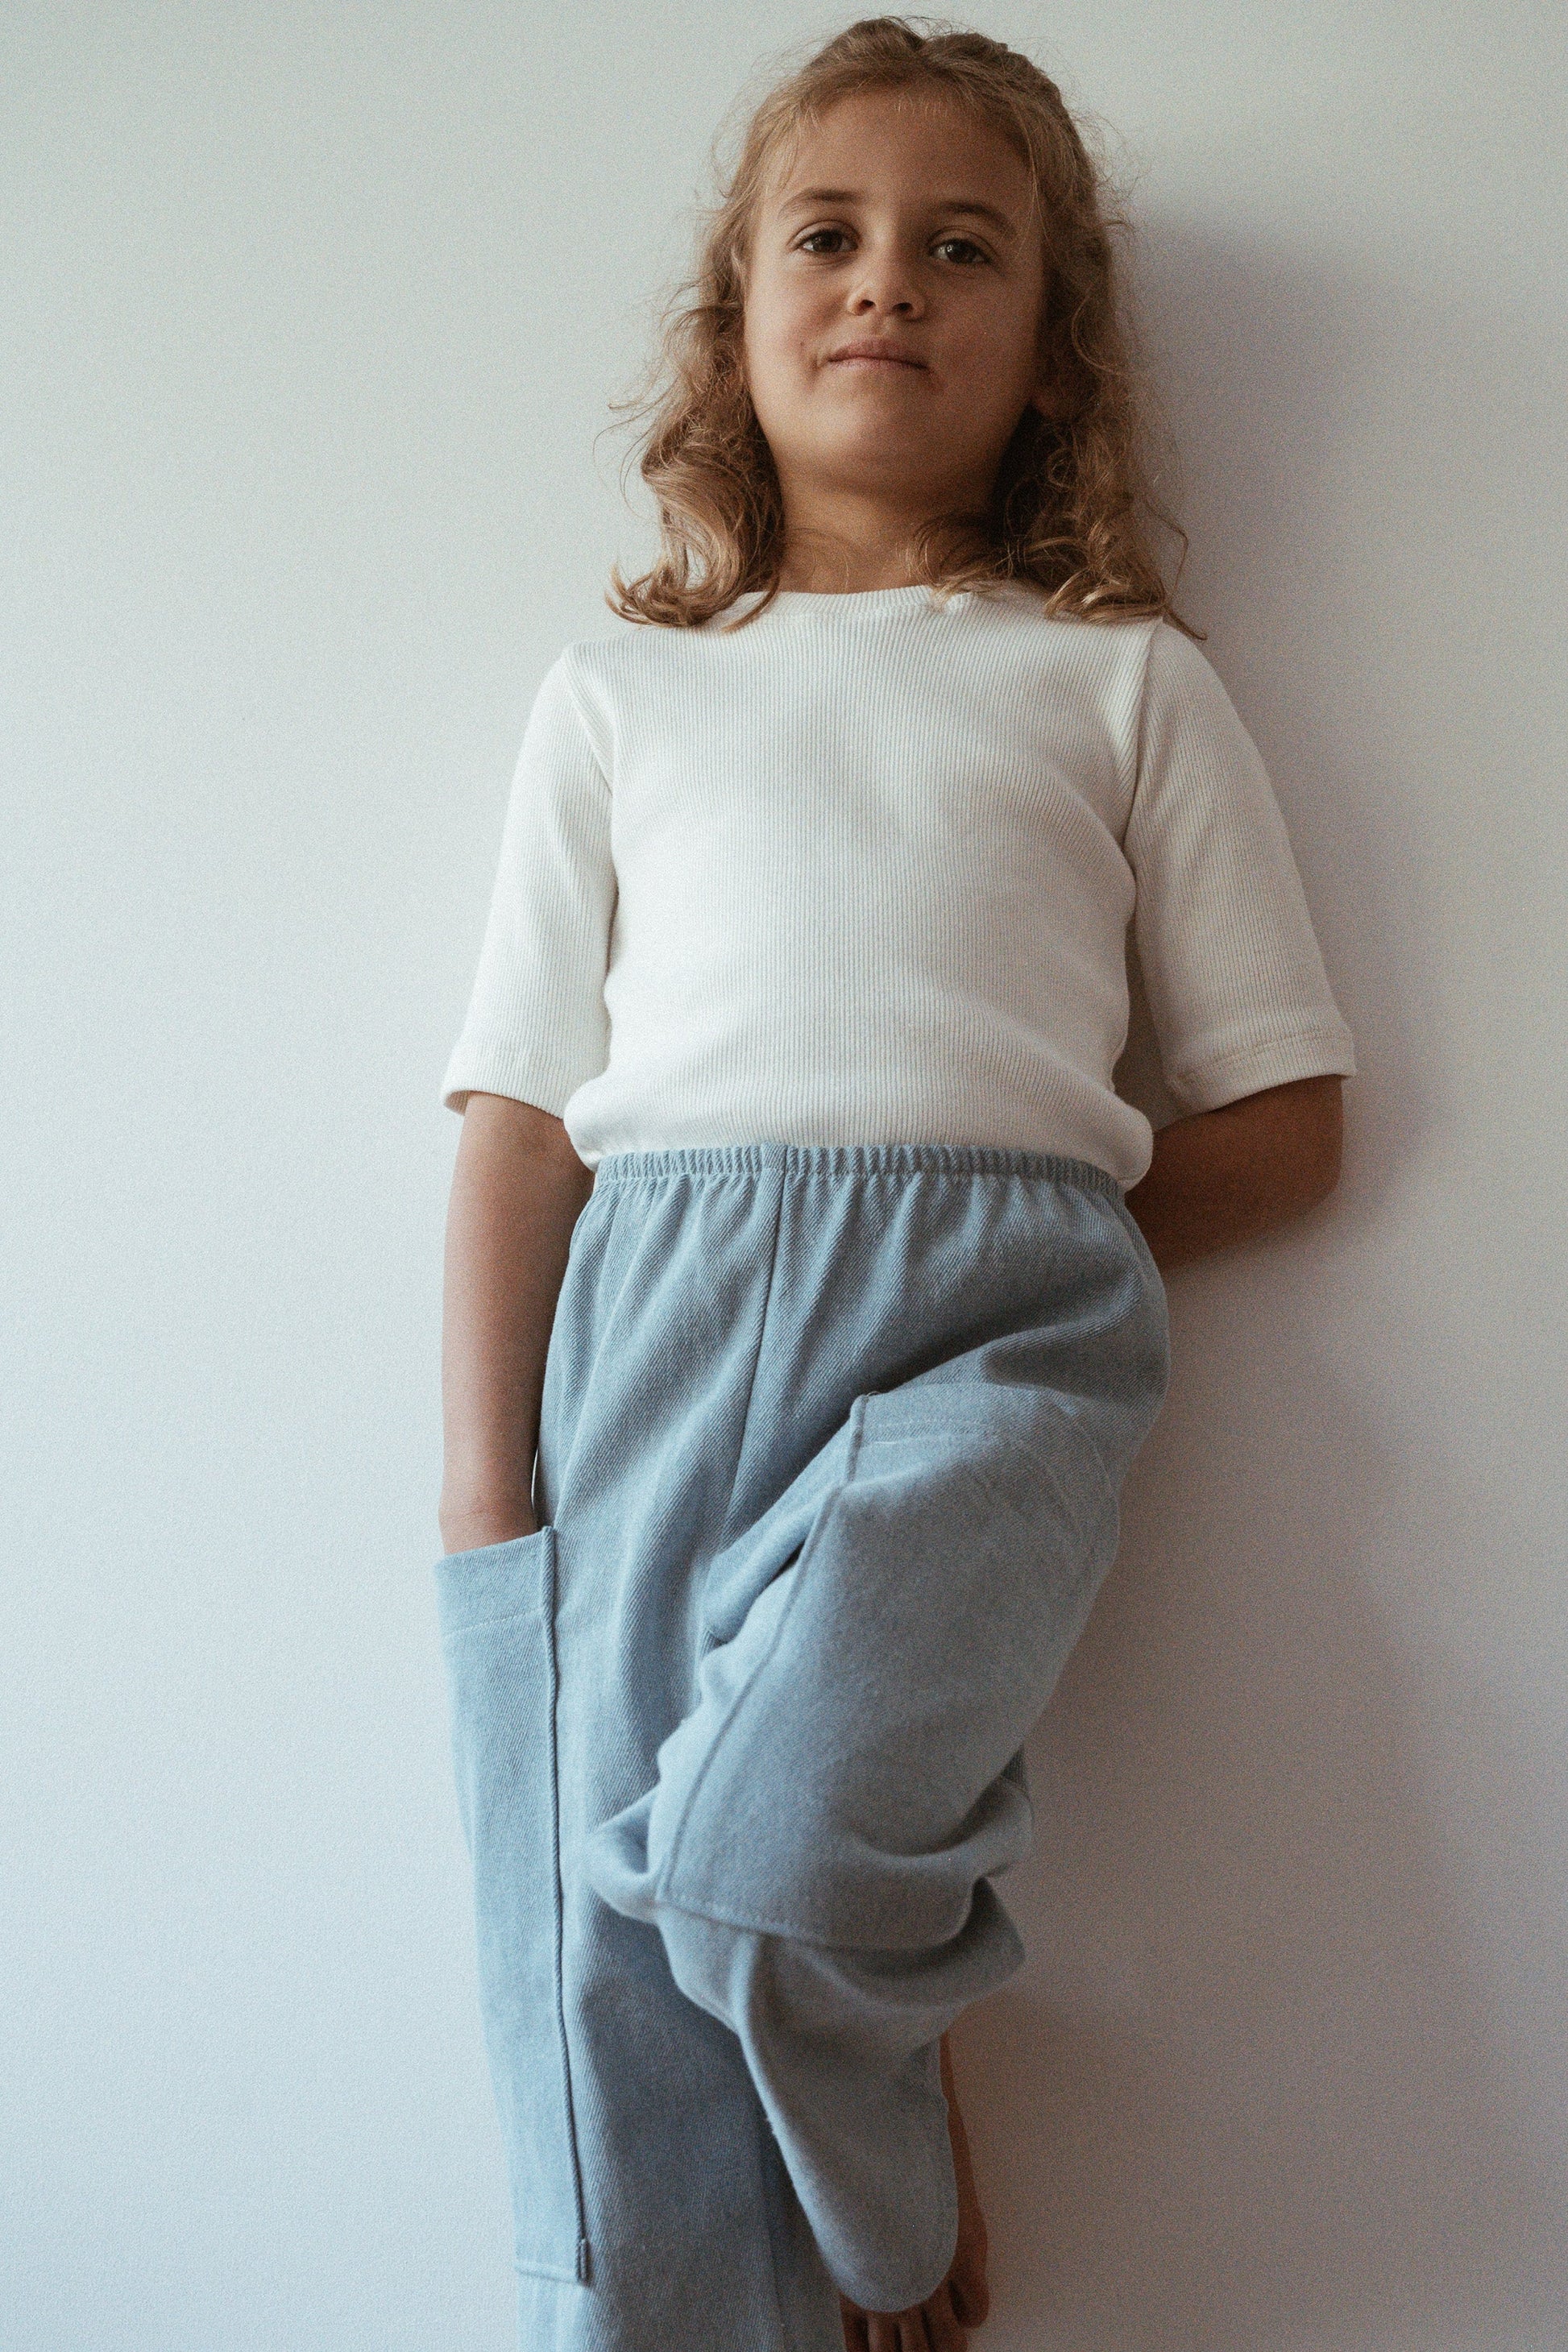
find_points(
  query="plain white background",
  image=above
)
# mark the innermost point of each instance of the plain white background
(310, 319)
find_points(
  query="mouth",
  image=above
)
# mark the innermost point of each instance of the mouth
(871, 355)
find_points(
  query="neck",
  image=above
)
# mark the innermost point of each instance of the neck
(857, 546)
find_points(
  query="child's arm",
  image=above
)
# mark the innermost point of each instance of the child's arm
(1224, 1175)
(516, 1190)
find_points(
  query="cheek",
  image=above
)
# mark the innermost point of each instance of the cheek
(998, 359)
(779, 342)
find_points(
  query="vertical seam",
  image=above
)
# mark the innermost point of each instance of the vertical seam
(547, 1606)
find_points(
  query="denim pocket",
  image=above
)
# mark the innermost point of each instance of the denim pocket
(497, 1610)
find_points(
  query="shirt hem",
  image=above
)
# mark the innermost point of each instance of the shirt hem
(1249, 1069)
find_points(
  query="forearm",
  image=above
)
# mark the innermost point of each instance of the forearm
(1223, 1176)
(516, 1190)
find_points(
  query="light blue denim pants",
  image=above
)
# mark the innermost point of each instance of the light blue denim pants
(831, 1442)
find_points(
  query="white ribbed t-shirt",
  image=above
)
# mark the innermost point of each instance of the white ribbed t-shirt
(862, 872)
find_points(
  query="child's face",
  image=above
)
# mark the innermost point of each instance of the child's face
(894, 257)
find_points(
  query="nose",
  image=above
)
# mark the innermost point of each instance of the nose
(886, 281)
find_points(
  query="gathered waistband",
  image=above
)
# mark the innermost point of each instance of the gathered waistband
(808, 1161)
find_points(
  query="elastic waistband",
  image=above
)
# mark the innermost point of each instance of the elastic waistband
(803, 1162)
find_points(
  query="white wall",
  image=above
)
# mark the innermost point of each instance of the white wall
(309, 320)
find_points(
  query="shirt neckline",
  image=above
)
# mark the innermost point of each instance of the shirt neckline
(850, 605)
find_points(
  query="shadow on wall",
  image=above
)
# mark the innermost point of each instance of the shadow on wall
(1250, 2094)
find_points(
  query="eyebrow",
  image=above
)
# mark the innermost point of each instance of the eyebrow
(804, 198)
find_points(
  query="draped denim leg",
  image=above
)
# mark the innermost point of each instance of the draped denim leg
(830, 1452)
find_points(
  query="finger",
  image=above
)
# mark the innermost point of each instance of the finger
(853, 2320)
(883, 2333)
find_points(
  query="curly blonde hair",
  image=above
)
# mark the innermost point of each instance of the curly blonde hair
(1068, 508)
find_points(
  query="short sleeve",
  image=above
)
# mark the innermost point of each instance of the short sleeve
(1236, 988)
(537, 1027)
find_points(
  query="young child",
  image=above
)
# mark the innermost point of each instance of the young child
(804, 1299)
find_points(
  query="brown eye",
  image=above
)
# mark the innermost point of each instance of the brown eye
(967, 242)
(806, 242)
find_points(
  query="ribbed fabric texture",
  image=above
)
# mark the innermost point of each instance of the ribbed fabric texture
(862, 872)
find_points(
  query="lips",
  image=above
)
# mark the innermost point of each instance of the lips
(880, 354)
